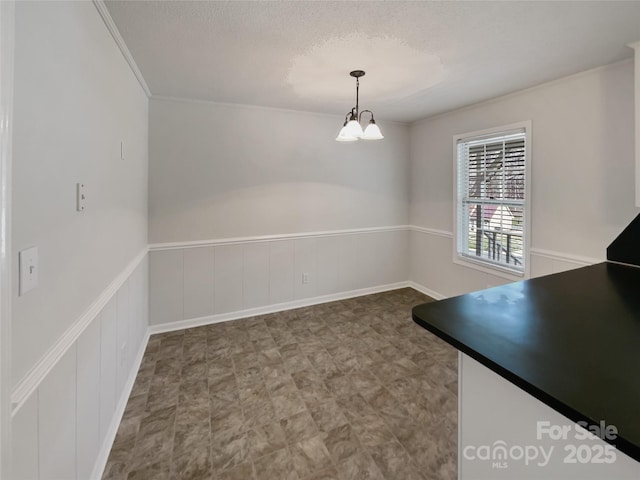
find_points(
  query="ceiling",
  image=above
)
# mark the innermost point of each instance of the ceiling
(421, 58)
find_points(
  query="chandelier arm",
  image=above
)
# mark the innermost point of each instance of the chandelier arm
(365, 111)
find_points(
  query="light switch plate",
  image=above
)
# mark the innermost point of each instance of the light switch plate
(80, 197)
(28, 260)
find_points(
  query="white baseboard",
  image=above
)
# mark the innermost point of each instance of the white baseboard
(278, 307)
(426, 291)
(103, 455)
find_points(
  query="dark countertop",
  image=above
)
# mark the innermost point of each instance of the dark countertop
(572, 340)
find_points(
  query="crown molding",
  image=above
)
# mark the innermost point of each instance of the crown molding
(200, 101)
(524, 91)
(115, 33)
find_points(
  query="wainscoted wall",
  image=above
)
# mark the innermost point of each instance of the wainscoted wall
(196, 283)
(202, 282)
(67, 410)
(80, 115)
(103, 107)
(546, 262)
(433, 272)
(582, 123)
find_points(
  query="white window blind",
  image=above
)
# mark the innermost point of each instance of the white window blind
(491, 199)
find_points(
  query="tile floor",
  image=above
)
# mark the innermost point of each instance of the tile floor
(344, 390)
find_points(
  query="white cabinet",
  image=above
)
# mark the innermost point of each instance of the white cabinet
(506, 434)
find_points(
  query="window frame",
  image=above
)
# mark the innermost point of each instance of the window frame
(479, 264)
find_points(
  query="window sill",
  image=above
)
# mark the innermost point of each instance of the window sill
(491, 269)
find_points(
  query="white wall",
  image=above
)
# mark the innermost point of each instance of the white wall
(219, 171)
(582, 175)
(75, 101)
(201, 284)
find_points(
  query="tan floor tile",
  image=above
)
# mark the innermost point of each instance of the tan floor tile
(329, 474)
(309, 456)
(244, 471)
(157, 471)
(278, 464)
(192, 465)
(348, 390)
(287, 404)
(394, 462)
(229, 449)
(299, 427)
(359, 467)
(265, 439)
(371, 430)
(327, 414)
(341, 442)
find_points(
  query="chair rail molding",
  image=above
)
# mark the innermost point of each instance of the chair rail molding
(565, 257)
(30, 382)
(275, 237)
(431, 231)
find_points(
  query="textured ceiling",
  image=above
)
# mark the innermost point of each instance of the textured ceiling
(421, 58)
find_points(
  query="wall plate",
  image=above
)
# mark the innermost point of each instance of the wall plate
(28, 260)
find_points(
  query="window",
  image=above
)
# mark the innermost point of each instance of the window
(491, 198)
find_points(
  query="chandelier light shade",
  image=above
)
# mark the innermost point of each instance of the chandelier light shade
(352, 129)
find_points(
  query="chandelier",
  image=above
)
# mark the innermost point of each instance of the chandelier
(352, 130)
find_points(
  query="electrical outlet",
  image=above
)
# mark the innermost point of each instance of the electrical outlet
(305, 278)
